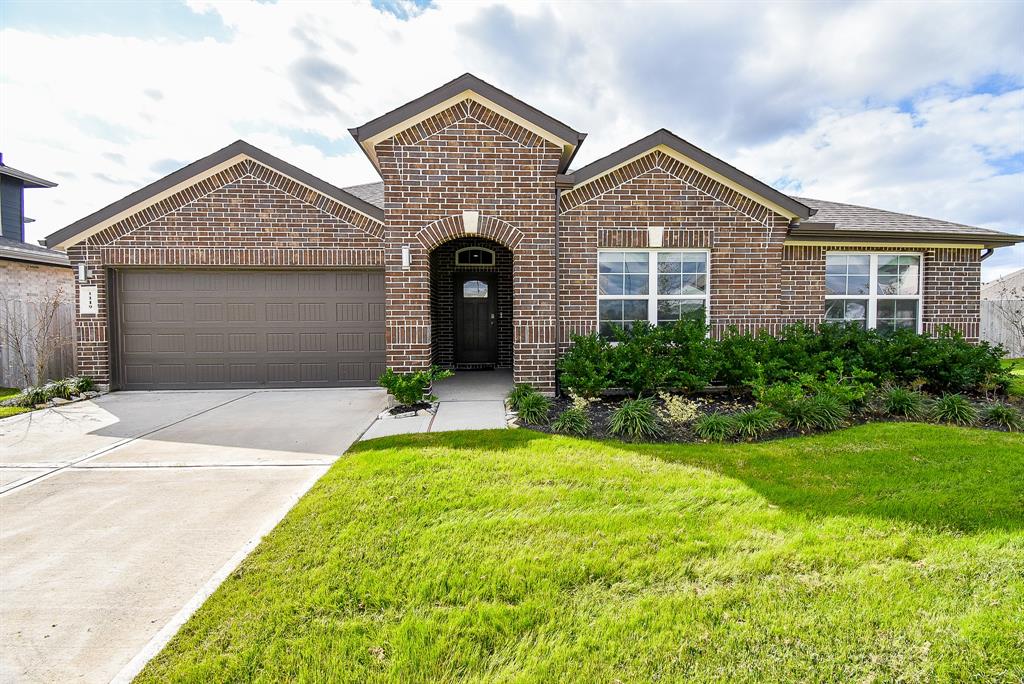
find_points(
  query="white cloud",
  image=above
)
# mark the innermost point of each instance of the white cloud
(867, 103)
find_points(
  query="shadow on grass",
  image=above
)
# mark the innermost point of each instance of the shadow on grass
(935, 476)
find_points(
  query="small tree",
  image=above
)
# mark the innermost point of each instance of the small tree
(1009, 307)
(32, 333)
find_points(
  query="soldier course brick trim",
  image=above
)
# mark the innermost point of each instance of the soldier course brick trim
(547, 226)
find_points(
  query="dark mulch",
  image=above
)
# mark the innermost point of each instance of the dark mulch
(711, 402)
(401, 408)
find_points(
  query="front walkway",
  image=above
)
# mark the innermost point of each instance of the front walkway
(470, 400)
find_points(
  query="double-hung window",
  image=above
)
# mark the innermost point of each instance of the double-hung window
(880, 291)
(657, 286)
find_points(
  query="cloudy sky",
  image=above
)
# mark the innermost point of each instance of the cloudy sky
(915, 107)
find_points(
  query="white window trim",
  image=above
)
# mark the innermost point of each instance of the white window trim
(652, 283)
(873, 296)
(494, 257)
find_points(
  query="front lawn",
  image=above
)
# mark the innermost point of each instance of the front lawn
(7, 393)
(879, 553)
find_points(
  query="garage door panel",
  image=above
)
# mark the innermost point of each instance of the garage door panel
(196, 328)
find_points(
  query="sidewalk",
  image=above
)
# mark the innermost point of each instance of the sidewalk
(470, 400)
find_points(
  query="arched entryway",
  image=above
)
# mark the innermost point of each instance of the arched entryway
(471, 304)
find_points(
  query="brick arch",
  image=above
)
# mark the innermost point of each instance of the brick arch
(451, 227)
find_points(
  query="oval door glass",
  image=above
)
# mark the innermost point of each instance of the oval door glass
(474, 289)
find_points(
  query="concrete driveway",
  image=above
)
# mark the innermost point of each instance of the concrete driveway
(119, 515)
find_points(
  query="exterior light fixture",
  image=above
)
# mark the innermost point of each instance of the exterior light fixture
(83, 273)
(406, 257)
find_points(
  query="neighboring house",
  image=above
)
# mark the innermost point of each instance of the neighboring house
(30, 277)
(1002, 312)
(480, 248)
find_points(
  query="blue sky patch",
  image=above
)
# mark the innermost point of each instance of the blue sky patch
(403, 9)
(131, 19)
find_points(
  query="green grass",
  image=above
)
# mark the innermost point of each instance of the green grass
(1016, 367)
(879, 553)
(7, 393)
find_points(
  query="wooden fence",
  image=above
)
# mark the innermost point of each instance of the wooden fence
(995, 328)
(25, 317)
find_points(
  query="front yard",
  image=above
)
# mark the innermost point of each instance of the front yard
(881, 552)
(8, 393)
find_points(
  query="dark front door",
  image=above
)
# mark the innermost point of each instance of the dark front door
(476, 339)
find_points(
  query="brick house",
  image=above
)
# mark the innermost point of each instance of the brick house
(480, 249)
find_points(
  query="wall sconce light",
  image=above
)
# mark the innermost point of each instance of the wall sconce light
(655, 236)
(406, 257)
(83, 273)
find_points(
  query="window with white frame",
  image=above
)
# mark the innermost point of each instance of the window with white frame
(658, 286)
(880, 290)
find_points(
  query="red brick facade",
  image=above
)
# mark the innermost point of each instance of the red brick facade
(467, 158)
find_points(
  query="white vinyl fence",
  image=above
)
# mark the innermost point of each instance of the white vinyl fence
(997, 328)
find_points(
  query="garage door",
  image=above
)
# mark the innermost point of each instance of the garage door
(187, 329)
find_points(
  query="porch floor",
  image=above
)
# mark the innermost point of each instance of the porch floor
(469, 400)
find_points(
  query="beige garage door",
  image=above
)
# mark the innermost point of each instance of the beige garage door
(200, 329)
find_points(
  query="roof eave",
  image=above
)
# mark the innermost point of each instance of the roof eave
(672, 141)
(239, 148)
(365, 133)
(822, 232)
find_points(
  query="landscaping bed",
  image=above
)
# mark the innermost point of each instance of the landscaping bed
(53, 393)
(887, 552)
(657, 384)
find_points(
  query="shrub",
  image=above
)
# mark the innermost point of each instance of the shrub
(754, 423)
(714, 427)
(32, 395)
(534, 409)
(954, 408)
(586, 368)
(572, 421)
(63, 389)
(821, 412)
(677, 410)
(737, 356)
(899, 402)
(691, 354)
(410, 388)
(82, 384)
(1003, 416)
(635, 419)
(517, 394)
(640, 360)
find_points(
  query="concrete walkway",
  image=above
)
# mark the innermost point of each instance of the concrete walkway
(118, 516)
(470, 400)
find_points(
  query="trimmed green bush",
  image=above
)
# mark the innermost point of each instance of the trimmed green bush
(681, 356)
(635, 419)
(517, 393)
(714, 427)
(757, 422)
(899, 402)
(572, 421)
(1004, 416)
(534, 409)
(954, 408)
(410, 388)
(82, 384)
(586, 368)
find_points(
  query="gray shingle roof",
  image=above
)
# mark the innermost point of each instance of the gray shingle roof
(23, 251)
(28, 179)
(846, 217)
(368, 192)
(853, 217)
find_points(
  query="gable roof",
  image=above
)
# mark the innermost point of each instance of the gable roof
(184, 177)
(705, 162)
(15, 250)
(471, 87)
(834, 219)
